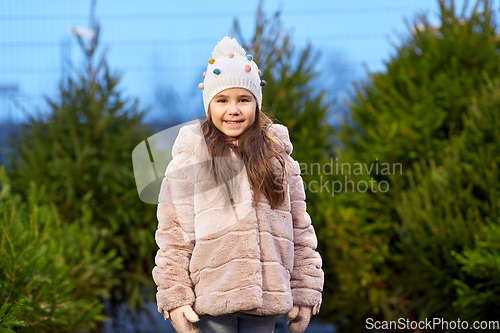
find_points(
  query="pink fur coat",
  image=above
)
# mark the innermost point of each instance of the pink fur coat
(222, 258)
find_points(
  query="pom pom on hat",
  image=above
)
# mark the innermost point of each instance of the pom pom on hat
(226, 46)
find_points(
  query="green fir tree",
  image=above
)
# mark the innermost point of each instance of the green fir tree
(51, 273)
(450, 221)
(82, 152)
(384, 262)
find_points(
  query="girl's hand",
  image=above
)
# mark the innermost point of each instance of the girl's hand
(165, 314)
(298, 318)
(182, 317)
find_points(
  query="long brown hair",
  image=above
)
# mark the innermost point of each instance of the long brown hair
(256, 148)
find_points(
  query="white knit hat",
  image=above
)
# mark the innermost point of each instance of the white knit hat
(231, 67)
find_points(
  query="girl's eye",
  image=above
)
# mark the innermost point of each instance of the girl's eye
(222, 100)
(244, 100)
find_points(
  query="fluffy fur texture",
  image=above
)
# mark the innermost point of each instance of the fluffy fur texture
(257, 260)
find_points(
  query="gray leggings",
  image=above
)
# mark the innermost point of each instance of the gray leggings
(237, 322)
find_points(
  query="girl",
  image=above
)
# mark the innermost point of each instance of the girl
(237, 248)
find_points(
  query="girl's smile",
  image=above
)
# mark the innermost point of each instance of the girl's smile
(233, 111)
(232, 123)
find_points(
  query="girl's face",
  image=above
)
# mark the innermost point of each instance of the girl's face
(233, 111)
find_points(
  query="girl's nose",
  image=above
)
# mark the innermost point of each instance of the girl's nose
(233, 109)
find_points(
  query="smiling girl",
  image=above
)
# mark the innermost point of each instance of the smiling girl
(235, 262)
(233, 111)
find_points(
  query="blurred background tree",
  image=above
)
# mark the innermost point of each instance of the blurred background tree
(407, 251)
(81, 153)
(450, 221)
(52, 273)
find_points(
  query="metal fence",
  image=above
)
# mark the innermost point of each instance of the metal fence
(14, 109)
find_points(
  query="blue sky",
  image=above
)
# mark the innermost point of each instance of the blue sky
(167, 43)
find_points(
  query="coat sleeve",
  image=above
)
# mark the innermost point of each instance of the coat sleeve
(175, 214)
(307, 277)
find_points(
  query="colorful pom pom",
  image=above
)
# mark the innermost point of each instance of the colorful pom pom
(211, 61)
(216, 71)
(263, 83)
(204, 73)
(259, 71)
(248, 68)
(230, 55)
(249, 57)
(201, 86)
